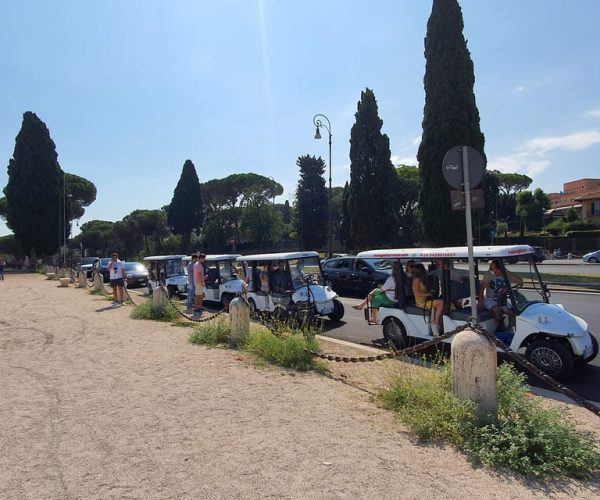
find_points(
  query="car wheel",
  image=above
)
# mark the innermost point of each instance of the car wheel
(552, 357)
(593, 260)
(394, 332)
(338, 311)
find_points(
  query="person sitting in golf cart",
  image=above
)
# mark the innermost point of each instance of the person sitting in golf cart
(494, 290)
(298, 275)
(281, 278)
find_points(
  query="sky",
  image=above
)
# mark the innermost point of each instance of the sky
(131, 89)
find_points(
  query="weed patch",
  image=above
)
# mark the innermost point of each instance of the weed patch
(283, 351)
(211, 333)
(525, 438)
(146, 311)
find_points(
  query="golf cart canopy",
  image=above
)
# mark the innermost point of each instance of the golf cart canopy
(225, 256)
(277, 256)
(489, 252)
(155, 258)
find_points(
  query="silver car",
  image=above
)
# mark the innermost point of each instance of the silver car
(592, 257)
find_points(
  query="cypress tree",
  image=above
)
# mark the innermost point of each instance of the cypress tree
(34, 193)
(185, 211)
(373, 180)
(345, 239)
(311, 203)
(450, 118)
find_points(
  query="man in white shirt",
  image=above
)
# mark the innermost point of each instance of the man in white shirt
(117, 277)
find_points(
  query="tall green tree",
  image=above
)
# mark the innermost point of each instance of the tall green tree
(185, 212)
(311, 203)
(79, 194)
(373, 180)
(345, 238)
(450, 118)
(531, 208)
(408, 203)
(34, 192)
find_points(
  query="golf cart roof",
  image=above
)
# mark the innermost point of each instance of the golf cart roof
(154, 258)
(490, 252)
(277, 256)
(224, 256)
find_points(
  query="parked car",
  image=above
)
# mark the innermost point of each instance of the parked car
(101, 266)
(592, 257)
(356, 275)
(86, 264)
(136, 274)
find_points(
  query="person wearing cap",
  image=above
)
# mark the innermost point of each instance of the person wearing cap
(116, 270)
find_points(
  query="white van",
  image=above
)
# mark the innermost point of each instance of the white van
(221, 277)
(550, 337)
(168, 271)
(289, 284)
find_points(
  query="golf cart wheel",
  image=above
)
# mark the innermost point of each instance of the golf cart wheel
(149, 287)
(171, 291)
(226, 299)
(252, 304)
(394, 332)
(551, 357)
(338, 311)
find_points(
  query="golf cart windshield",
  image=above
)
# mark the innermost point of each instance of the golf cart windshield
(305, 271)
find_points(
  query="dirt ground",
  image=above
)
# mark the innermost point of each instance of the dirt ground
(94, 404)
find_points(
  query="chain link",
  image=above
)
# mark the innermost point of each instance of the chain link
(187, 316)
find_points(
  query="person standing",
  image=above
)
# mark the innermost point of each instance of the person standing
(117, 277)
(199, 282)
(191, 282)
(2, 266)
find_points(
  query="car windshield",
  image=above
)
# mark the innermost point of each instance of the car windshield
(134, 266)
(380, 264)
(104, 262)
(86, 261)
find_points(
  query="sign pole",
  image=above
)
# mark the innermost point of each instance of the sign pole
(467, 189)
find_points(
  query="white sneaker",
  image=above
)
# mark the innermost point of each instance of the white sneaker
(435, 330)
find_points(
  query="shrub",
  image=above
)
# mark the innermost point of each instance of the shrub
(211, 333)
(146, 311)
(288, 352)
(556, 227)
(525, 437)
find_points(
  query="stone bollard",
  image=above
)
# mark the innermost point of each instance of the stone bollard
(50, 276)
(239, 322)
(64, 282)
(82, 280)
(98, 284)
(474, 361)
(159, 299)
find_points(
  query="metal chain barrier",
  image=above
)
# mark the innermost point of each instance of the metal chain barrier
(187, 316)
(388, 355)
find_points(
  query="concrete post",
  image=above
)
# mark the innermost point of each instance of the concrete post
(82, 280)
(239, 322)
(50, 276)
(64, 282)
(98, 284)
(159, 299)
(474, 361)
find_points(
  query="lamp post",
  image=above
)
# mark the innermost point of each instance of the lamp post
(318, 123)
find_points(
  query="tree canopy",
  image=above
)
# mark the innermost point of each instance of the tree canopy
(185, 213)
(373, 181)
(450, 118)
(312, 216)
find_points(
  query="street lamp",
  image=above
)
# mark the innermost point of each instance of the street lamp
(318, 123)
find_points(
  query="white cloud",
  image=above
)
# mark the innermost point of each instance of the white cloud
(572, 142)
(415, 141)
(594, 113)
(403, 160)
(530, 158)
(520, 88)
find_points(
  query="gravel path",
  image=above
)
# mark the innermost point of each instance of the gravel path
(94, 404)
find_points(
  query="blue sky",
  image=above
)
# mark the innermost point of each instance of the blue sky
(131, 89)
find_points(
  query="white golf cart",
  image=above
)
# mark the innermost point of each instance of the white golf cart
(290, 284)
(550, 337)
(221, 277)
(168, 271)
